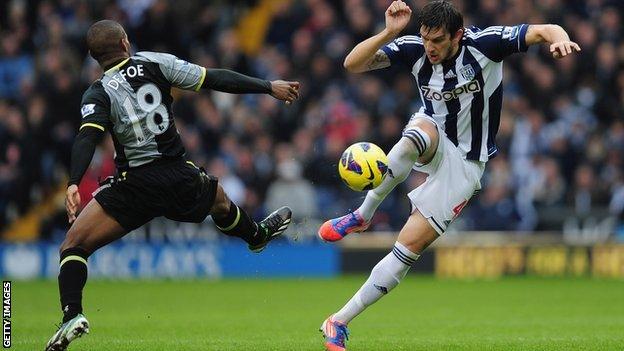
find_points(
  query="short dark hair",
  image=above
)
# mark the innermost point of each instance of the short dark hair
(441, 14)
(103, 39)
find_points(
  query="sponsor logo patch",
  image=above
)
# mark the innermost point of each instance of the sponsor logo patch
(450, 75)
(383, 289)
(434, 95)
(510, 33)
(87, 109)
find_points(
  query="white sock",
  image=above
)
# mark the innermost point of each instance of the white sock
(401, 159)
(384, 277)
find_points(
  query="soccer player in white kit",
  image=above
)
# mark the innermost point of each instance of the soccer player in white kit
(459, 74)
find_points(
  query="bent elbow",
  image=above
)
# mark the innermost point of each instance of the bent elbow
(348, 65)
(352, 67)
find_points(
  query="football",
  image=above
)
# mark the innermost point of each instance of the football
(363, 166)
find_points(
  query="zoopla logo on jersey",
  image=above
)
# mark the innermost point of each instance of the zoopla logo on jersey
(430, 94)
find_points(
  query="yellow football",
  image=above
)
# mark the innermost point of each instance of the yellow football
(363, 166)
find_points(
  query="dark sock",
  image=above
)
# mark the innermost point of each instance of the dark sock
(72, 279)
(237, 223)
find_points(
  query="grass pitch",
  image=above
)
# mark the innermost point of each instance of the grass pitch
(423, 313)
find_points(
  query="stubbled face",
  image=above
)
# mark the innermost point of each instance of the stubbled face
(439, 44)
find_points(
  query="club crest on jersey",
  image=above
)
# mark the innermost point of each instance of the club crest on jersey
(87, 109)
(467, 72)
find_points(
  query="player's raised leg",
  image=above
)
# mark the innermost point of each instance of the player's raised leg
(417, 234)
(92, 229)
(417, 144)
(234, 221)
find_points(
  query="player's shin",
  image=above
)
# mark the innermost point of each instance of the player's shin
(72, 279)
(236, 223)
(401, 159)
(386, 275)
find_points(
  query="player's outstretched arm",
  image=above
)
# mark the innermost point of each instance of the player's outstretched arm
(557, 37)
(82, 153)
(367, 56)
(237, 83)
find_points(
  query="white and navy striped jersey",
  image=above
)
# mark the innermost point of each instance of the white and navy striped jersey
(463, 94)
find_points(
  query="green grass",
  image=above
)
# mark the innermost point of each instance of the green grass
(423, 313)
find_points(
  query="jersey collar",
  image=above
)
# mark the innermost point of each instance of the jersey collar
(116, 67)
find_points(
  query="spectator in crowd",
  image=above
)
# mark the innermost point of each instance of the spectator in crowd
(290, 188)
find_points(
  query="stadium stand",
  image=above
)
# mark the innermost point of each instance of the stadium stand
(561, 137)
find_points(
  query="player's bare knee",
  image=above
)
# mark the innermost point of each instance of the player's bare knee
(74, 238)
(417, 246)
(423, 134)
(221, 205)
(418, 242)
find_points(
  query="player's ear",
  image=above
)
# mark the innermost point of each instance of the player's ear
(125, 44)
(458, 35)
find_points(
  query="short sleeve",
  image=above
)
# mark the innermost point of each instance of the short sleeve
(179, 73)
(405, 50)
(500, 41)
(95, 108)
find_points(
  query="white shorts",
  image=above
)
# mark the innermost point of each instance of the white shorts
(451, 182)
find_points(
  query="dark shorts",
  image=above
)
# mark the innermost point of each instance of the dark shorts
(175, 189)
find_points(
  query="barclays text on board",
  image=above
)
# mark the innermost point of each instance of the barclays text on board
(182, 260)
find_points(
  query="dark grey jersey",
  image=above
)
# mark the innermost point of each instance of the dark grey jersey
(133, 101)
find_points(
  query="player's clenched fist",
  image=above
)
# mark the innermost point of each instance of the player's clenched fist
(397, 16)
(286, 91)
(72, 202)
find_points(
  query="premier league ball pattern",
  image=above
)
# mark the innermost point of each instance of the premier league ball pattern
(363, 166)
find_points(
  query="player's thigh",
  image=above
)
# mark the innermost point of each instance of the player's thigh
(417, 233)
(448, 188)
(92, 229)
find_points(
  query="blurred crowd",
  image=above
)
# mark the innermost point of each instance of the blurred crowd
(561, 135)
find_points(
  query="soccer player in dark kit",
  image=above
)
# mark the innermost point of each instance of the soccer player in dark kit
(132, 101)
